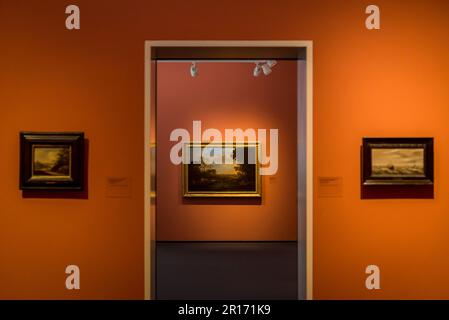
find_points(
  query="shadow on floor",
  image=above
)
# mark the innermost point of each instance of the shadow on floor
(226, 270)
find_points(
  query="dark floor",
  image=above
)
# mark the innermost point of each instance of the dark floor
(226, 270)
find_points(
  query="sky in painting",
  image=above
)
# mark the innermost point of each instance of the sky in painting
(46, 155)
(400, 157)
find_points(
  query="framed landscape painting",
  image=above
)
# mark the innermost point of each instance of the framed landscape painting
(51, 161)
(221, 170)
(397, 161)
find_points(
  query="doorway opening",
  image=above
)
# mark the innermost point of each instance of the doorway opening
(211, 241)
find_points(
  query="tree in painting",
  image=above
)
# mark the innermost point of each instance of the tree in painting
(226, 177)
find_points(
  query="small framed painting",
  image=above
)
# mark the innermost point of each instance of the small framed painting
(221, 170)
(397, 161)
(51, 161)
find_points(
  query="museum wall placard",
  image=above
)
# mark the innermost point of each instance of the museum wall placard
(227, 96)
(390, 82)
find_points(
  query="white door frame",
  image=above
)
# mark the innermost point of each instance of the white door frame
(149, 214)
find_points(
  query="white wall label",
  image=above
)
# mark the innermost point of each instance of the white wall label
(73, 280)
(373, 20)
(373, 280)
(73, 20)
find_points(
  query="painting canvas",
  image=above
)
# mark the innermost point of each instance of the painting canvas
(221, 170)
(51, 161)
(398, 161)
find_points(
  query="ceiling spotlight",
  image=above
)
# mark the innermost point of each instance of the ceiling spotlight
(266, 69)
(193, 70)
(271, 63)
(257, 70)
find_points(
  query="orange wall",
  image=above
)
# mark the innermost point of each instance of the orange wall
(391, 82)
(225, 96)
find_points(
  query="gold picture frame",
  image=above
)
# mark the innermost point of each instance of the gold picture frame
(232, 179)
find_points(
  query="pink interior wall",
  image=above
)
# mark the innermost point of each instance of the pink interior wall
(227, 95)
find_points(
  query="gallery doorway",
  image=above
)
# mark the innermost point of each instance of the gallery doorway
(257, 242)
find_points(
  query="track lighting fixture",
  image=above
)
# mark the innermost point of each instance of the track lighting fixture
(257, 70)
(193, 70)
(271, 63)
(264, 66)
(266, 69)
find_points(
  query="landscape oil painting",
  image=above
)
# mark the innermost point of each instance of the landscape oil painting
(51, 162)
(397, 162)
(233, 173)
(400, 161)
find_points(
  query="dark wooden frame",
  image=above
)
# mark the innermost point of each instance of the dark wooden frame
(73, 139)
(370, 143)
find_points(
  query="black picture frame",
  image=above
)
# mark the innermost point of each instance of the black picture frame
(413, 157)
(64, 166)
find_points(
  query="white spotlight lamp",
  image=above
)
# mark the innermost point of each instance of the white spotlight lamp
(266, 69)
(257, 70)
(193, 70)
(271, 63)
